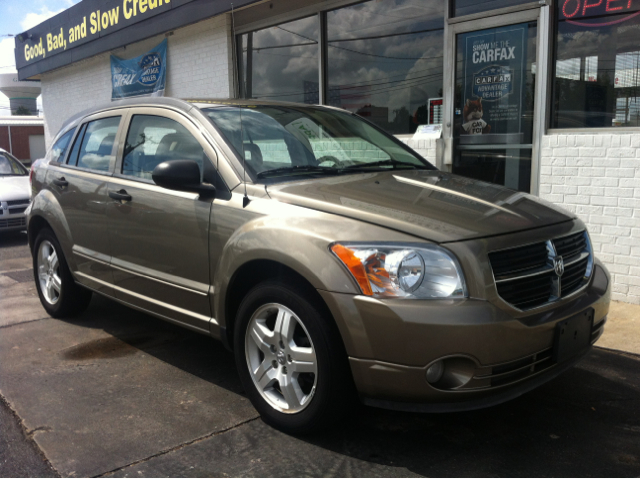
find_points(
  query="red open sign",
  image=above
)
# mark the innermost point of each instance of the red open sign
(590, 12)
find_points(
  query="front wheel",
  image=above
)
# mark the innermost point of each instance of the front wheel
(291, 359)
(59, 294)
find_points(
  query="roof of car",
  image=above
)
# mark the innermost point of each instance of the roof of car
(179, 104)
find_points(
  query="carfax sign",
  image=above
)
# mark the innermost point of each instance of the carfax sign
(140, 76)
(494, 75)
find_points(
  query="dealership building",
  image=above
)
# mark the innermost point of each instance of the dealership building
(543, 97)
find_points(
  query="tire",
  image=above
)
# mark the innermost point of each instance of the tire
(59, 294)
(305, 385)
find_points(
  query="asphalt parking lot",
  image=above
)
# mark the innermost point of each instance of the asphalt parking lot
(121, 394)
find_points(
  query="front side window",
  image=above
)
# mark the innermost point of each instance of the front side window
(10, 166)
(152, 140)
(276, 141)
(597, 64)
(94, 144)
(60, 147)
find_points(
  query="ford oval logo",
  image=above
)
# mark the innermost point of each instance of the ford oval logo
(558, 265)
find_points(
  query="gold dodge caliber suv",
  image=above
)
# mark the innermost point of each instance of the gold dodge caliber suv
(332, 259)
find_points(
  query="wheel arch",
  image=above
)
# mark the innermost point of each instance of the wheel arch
(254, 272)
(47, 212)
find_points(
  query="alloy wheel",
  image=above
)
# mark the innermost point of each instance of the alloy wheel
(281, 358)
(49, 272)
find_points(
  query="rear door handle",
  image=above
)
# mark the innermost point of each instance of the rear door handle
(121, 195)
(61, 182)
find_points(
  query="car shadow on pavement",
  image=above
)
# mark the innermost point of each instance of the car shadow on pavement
(585, 422)
(134, 331)
(13, 238)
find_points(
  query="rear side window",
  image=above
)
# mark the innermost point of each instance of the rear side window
(94, 144)
(154, 139)
(60, 147)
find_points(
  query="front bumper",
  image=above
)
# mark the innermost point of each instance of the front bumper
(391, 343)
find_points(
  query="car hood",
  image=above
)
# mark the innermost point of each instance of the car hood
(433, 205)
(14, 188)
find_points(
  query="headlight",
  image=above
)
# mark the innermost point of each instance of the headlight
(390, 271)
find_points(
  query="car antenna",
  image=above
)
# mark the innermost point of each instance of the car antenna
(245, 199)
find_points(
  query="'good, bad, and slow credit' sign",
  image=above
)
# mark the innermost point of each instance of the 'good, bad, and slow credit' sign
(83, 24)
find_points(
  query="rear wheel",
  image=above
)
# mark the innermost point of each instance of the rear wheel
(291, 359)
(59, 294)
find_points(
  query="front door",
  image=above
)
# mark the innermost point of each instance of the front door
(159, 237)
(494, 116)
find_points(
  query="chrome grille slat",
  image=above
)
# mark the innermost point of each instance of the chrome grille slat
(525, 276)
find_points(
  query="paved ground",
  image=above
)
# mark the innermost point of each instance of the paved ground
(118, 393)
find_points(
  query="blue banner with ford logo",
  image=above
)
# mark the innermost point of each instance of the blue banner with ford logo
(141, 76)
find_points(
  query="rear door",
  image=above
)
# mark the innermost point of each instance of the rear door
(79, 180)
(159, 237)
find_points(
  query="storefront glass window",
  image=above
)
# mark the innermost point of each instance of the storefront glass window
(597, 64)
(281, 62)
(467, 7)
(385, 62)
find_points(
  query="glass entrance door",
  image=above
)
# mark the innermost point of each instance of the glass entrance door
(493, 101)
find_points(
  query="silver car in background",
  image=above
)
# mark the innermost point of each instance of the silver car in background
(15, 193)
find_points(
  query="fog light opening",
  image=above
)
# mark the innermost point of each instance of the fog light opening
(435, 371)
(450, 373)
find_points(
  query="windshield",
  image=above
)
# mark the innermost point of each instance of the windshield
(279, 141)
(9, 166)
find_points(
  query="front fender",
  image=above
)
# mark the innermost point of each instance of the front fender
(46, 206)
(299, 239)
(304, 250)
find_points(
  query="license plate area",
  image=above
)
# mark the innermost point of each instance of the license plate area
(572, 335)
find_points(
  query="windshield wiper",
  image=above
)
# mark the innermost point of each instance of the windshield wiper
(298, 169)
(394, 163)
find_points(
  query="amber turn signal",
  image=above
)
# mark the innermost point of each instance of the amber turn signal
(355, 266)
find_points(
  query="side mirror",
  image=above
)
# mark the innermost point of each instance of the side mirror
(181, 175)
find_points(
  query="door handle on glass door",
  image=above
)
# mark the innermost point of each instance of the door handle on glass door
(121, 195)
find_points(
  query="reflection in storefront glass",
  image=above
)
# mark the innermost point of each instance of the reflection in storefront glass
(467, 7)
(597, 64)
(385, 61)
(281, 62)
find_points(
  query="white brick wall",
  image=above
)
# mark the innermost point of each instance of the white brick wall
(597, 176)
(199, 65)
(425, 148)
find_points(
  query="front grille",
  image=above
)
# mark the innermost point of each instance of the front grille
(10, 223)
(15, 211)
(526, 277)
(526, 257)
(18, 202)
(571, 245)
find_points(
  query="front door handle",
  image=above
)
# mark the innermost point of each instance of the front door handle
(61, 182)
(121, 195)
